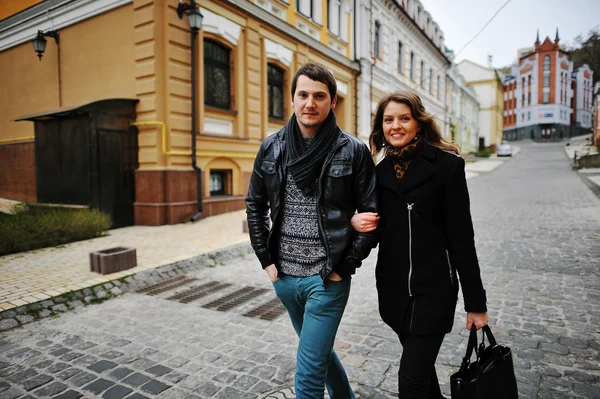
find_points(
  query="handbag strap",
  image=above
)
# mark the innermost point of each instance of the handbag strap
(487, 331)
(471, 345)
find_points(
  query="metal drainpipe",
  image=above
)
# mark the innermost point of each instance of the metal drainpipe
(194, 124)
(357, 59)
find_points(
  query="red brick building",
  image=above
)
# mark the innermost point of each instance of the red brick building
(545, 98)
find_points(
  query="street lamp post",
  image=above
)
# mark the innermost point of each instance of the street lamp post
(194, 17)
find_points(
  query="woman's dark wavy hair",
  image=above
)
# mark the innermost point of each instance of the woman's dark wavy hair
(428, 127)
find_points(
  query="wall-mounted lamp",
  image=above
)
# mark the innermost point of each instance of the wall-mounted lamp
(195, 21)
(39, 43)
(194, 15)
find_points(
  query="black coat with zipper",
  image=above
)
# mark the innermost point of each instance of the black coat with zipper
(426, 239)
(346, 184)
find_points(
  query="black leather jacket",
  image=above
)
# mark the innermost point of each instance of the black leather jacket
(346, 184)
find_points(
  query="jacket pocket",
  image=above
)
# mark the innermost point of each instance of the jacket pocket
(269, 173)
(338, 182)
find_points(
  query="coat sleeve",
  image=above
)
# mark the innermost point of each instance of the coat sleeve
(366, 193)
(461, 239)
(257, 211)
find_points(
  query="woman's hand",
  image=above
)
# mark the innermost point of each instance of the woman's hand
(365, 222)
(479, 319)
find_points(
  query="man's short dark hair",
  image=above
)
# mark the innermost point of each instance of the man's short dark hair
(318, 73)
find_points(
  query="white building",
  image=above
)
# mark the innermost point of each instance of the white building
(583, 77)
(400, 47)
(462, 111)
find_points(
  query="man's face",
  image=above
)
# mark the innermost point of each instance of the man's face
(311, 103)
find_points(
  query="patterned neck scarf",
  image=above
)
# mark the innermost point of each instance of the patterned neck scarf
(401, 157)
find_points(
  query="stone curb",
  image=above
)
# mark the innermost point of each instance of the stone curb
(13, 318)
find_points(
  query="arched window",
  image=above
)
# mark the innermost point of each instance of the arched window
(217, 77)
(275, 83)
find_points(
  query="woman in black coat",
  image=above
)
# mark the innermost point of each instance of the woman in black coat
(427, 240)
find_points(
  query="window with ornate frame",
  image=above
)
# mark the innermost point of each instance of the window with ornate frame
(276, 90)
(412, 66)
(217, 74)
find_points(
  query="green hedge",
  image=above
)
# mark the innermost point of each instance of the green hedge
(485, 153)
(37, 226)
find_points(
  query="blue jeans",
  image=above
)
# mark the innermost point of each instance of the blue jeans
(316, 312)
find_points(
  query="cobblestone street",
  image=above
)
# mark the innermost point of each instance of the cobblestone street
(217, 332)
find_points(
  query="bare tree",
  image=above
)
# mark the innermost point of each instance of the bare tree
(586, 50)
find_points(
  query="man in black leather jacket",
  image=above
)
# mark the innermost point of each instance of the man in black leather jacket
(308, 180)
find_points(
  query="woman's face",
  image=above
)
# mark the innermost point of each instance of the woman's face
(399, 126)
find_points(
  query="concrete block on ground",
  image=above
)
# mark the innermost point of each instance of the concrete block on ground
(113, 260)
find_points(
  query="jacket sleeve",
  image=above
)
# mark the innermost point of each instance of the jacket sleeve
(461, 239)
(257, 211)
(366, 193)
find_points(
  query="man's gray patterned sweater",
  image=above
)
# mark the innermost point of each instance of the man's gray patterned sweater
(300, 251)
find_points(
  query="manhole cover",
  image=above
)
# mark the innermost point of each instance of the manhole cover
(284, 393)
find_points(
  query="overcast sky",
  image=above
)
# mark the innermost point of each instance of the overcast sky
(513, 28)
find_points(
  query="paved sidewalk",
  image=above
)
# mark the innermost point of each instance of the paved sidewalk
(581, 145)
(37, 276)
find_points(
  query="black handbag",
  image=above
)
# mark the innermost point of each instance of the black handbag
(490, 376)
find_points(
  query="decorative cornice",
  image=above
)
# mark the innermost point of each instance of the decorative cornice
(416, 28)
(50, 14)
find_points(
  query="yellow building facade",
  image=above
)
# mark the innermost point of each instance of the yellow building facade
(140, 51)
(487, 83)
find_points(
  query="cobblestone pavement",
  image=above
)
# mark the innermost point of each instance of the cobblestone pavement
(216, 331)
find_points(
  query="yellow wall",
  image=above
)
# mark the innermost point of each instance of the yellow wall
(95, 63)
(96, 58)
(27, 85)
